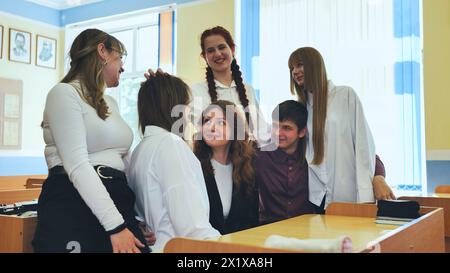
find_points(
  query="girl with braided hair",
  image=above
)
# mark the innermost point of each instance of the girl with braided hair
(224, 82)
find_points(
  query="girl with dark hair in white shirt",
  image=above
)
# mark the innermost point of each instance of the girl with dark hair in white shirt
(164, 173)
(86, 204)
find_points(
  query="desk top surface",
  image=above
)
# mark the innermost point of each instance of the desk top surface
(433, 194)
(442, 195)
(361, 230)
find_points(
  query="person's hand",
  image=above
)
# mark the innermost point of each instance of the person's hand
(150, 73)
(381, 189)
(148, 235)
(125, 242)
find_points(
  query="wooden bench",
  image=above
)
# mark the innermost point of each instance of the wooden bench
(442, 189)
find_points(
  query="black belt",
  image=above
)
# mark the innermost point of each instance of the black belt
(102, 171)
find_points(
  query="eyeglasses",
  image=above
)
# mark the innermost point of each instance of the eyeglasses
(123, 55)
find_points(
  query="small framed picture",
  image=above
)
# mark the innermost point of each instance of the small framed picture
(1, 41)
(45, 51)
(19, 46)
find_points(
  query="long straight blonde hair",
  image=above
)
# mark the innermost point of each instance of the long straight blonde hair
(316, 82)
(87, 66)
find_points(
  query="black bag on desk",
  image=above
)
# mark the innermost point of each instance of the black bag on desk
(405, 209)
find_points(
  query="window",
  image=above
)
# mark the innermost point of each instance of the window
(372, 45)
(141, 35)
(10, 114)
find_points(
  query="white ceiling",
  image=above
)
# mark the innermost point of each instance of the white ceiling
(63, 4)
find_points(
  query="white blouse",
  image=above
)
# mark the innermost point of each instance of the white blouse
(78, 139)
(201, 100)
(170, 189)
(223, 174)
(346, 173)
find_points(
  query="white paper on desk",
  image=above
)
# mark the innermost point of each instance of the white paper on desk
(341, 244)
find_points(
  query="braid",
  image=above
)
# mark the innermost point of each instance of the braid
(240, 87)
(211, 84)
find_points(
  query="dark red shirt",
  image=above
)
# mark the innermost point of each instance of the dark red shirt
(283, 186)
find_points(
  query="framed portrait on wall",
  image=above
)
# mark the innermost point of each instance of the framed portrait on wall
(19, 46)
(45, 51)
(1, 41)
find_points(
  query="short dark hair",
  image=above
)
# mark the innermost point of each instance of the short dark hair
(157, 97)
(297, 113)
(293, 111)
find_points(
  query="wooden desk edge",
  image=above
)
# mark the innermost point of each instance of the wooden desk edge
(410, 237)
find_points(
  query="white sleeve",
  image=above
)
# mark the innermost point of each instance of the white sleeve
(65, 118)
(263, 131)
(364, 150)
(181, 183)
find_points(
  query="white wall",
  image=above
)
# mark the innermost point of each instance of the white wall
(37, 81)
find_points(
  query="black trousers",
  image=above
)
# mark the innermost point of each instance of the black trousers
(67, 224)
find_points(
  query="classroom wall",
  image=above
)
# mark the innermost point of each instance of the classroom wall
(192, 20)
(37, 81)
(436, 58)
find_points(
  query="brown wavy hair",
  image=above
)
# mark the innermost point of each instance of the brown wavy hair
(235, 69)
(241, 151)
(87, 66)
(317, 82)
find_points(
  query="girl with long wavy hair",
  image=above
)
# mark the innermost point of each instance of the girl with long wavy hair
(226, 153)
(224, 82)
(86, 204)
(340, 148)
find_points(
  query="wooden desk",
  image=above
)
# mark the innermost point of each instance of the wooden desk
(16, 234)
(439, 200)
(14, 196)
(361, 230)
(425, 234)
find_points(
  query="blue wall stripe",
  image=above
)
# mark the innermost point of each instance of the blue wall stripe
(173, 38)
(406, 18)
(82, 13)
(159, 40)
(22, 165)
(111, 7)
(438, 173)
(32, 11)
(250, 29)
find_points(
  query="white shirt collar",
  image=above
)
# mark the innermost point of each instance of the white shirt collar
(223, 86)
(152, 130)
(331, 88)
